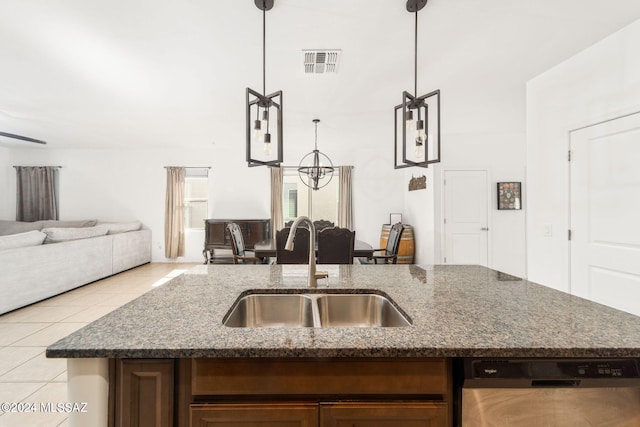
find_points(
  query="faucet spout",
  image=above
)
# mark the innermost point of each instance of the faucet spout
(312, 282)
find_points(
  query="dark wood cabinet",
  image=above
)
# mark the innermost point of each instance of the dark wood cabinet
(384, 414)
(217, 237)
(335, 392)
(412, 392)
(325, 414)
(257, 414)
(144, 393)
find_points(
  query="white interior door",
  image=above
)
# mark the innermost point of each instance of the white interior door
(605, 213)
(465, 217)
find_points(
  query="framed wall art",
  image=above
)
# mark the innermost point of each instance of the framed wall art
(509, 195)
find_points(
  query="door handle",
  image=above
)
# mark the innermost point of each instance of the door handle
(485, 229)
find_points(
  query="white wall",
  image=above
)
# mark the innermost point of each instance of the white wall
(600, 83)
(419, 212)
(120, 185)
(6, 170)
(127, 184)
(503, 156)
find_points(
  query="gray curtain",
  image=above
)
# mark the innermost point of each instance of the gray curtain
(277, 219)
(36, 193)
(345, 198)
(174, 213)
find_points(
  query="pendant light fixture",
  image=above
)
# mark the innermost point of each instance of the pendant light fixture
(264, 113)
(315, 169)
(417, 119)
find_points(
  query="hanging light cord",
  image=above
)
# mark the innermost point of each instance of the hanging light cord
(316, 143)
(415, 57)
(264, 25)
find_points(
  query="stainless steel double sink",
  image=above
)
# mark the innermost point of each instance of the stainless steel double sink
(319, 310)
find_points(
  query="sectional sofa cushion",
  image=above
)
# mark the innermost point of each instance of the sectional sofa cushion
(14, 227)
(20, 240)
(122, 227)
(57, 234)
(75, 224)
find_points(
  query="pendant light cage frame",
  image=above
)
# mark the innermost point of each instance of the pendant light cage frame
(257, 104)
(264, 113)
(425, 108)
(316, 166)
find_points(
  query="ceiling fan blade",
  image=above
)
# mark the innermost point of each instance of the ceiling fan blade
(23, 138)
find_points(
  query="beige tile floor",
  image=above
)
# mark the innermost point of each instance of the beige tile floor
(26, 375)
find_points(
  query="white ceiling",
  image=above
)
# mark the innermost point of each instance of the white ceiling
(173, 73)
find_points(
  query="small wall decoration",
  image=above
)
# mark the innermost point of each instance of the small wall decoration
(394, 218)
(419, 183)
(509, 196)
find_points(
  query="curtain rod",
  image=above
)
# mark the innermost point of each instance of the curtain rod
(189, 167)
(55, 167)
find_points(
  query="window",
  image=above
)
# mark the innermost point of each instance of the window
(298, 199)
(196, 198)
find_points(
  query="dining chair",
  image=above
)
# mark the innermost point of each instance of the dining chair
(300, 252)
(240, 254)
(335, 245)
(390, 252)
(320, 225)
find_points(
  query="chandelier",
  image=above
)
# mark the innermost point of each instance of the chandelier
(315, 169)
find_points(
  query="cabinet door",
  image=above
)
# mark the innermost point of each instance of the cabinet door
(144, 393)
(380, 414)
(215, 232)
(251, 415)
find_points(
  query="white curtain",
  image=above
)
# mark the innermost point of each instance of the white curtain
(174, 213)
(345, 198)
(277, 219)
(36, 193)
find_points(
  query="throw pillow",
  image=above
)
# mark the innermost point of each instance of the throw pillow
(30, 238)
(57, 235)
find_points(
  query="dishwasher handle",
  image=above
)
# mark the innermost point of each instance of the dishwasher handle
(554, 383)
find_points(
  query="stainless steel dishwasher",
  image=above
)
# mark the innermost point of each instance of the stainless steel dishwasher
(551, 393)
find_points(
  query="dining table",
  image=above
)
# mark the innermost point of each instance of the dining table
(267, 249)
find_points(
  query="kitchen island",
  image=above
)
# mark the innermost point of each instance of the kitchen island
(173, 340)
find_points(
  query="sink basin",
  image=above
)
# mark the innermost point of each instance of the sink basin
(359, 310)
(271, 310)
(324, 310)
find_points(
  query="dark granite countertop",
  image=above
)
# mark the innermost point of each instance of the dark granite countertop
(457, 311)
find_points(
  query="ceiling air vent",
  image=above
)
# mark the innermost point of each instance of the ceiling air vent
(321, 61)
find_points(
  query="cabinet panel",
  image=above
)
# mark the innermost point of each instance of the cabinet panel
(251, 415)
(381, 414)
(320, 377)
(145, 393)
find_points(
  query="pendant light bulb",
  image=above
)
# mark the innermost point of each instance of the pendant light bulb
(411, 124)
(420, 138)
(257, 130)
(419, 152)
(267, 143)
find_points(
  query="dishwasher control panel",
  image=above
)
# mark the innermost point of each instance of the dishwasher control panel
(552, 372)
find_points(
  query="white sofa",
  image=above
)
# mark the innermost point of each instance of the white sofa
(32, 273)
